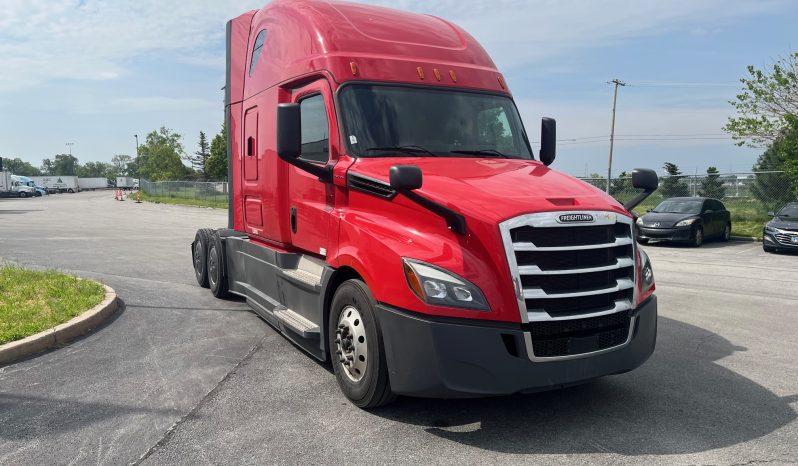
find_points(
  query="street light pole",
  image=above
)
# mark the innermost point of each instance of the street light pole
(617, 83)
(70, 144)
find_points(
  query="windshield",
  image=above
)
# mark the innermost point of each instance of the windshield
(395, 121)
(790, 210)
(680, 206)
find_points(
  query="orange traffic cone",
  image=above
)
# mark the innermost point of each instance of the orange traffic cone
(121, 195)
(138, 197)
(116, 195)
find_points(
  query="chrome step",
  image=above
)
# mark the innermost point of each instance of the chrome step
(297, 323)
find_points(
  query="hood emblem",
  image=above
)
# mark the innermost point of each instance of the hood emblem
(655, 224)
(575, 218)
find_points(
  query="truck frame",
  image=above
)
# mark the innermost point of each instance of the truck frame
(386, 214)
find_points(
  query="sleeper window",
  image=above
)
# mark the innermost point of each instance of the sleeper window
(257, 50)
(315, 129)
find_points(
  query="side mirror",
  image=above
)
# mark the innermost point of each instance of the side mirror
(548, 140)
(289, 132)
(405, 177)
(289, 142)
(645, 179)
(771, 214)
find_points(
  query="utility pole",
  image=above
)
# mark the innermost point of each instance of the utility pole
(617, 83)
(70, 144)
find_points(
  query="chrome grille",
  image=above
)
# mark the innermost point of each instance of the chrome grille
(786, 238)
(572, 273)
(567, 271)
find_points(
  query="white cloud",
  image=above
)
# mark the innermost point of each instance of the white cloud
(45, 40)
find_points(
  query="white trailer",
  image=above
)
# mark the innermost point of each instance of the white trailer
(58, 184)
(126, 182)
(92, 183)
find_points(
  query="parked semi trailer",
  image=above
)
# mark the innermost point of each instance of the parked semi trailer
(387, 213)
(92, 183)
(57, 183)
(127, 182)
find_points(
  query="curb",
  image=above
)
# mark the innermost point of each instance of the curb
(750, 239)
(61, 334)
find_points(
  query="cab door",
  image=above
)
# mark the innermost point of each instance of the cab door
(310, 200)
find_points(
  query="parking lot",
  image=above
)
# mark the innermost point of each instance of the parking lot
(177, 377)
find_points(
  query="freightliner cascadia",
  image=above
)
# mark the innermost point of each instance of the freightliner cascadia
(387, 214)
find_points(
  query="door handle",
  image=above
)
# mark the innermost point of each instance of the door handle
(250, 146)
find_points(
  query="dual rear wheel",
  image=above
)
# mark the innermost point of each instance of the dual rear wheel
(209, 262)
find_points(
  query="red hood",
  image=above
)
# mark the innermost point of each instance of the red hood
(494, 190)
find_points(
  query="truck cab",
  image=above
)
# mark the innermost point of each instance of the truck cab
(388, 213)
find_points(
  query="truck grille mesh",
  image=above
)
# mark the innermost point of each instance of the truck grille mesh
(577, 336)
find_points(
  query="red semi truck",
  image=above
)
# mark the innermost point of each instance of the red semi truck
(387, 214)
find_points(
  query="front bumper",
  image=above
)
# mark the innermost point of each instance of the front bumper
(670, 234)
(447, 359)
(781, 239)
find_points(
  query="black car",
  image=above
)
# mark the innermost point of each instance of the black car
(685, 219)
(782, 231)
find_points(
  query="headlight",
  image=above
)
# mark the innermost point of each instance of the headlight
(639, 221)
(770, 229)
(686, 222)
(437, 286)
(646, 272)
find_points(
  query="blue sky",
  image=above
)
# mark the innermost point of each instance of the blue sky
(96, 72)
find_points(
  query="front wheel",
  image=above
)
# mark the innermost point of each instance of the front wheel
(355, 341)
(699, 237)
(23, 194)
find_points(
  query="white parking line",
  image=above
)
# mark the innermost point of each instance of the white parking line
(759, 246)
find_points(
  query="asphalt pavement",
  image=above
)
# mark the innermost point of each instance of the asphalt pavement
(178, 377)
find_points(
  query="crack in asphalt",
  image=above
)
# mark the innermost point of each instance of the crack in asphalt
(173, 428)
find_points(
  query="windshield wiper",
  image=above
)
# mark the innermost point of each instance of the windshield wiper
(406, 149)
(492, 152)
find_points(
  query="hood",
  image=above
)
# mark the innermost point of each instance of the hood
(495, 189)
(784, 223)
(665, 219)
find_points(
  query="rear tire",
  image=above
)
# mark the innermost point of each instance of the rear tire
(356, 347)
(199, 252)
(726, 233)
(23, 194)
(699, 237)
(217, 274)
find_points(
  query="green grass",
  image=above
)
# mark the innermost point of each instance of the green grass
(209, 202)
(747, 228)
(31, 302)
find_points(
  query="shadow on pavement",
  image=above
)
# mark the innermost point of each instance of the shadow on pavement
(680, 401)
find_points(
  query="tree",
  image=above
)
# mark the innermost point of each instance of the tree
(712, 186)
(94, 170)
(216, 165)
(199, 159)
(766, 105)
(65, 165)
(120, 163)
(19, 167)
(160, 156)
(621, 185)
(672, 185)
(772, 189)
(48, 167)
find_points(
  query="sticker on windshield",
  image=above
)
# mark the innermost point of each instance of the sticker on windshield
(352, 139)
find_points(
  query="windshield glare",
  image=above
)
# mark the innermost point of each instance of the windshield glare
(430, 122)
(685, 206)
(790, 210)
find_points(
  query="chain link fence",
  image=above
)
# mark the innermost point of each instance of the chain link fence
(748, 196)
(210, 192)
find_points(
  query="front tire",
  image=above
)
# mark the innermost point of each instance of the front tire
(356, 347)
(217, 272)
(23, 194)
(699, 237)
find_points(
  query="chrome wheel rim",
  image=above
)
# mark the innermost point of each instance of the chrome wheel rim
(198, 258)
(351, 344)
(212, 266)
